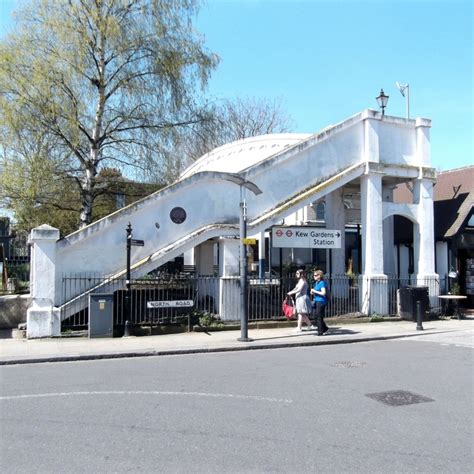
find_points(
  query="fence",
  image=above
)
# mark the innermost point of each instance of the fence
(137, 305)
(265, 296)
(15, 264)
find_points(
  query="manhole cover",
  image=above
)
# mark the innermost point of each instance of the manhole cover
(347, 364)
(396, 398)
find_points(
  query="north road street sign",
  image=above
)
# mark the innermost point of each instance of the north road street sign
(306, 238)
(170, 304)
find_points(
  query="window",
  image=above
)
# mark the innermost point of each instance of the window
(120, 200)
(320, 211)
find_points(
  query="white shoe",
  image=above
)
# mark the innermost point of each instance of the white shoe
(312, 328)
(298, 330)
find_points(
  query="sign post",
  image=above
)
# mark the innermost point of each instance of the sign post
(130, 242)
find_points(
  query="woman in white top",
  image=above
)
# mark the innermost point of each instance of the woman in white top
(303, 303)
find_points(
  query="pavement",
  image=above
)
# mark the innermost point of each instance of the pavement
(24, 351)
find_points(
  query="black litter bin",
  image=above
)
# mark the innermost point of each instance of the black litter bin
(409, 295)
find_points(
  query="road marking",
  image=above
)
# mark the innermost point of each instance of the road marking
(139, 392)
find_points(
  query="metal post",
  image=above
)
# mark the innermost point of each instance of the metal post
(127, 281)
(261, 255)
(243, 183)
(419, 317)
(270, 243)
(244, 317)
(329, 266)
(408, 101)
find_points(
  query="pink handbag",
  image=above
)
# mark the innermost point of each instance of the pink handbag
(288, 307)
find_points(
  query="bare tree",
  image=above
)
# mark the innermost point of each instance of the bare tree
(237, 119)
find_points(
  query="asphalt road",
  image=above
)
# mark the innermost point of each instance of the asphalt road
(285, 410)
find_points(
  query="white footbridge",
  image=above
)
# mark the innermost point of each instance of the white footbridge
(368, 150)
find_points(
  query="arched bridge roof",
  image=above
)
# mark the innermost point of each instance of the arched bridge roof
(239, 155)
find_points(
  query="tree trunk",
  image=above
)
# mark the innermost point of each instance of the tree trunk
(87, 195)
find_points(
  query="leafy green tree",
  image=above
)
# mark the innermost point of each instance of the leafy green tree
(34, 187)
(97, 83)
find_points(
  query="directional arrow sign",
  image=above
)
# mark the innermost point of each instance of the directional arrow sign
(306, 238)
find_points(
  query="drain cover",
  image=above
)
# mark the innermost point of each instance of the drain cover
(396, 398)
(347, 364)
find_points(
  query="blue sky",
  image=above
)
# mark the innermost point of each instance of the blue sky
(327, 60)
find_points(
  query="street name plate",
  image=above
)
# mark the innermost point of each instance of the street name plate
(170, 304)
(138, 243)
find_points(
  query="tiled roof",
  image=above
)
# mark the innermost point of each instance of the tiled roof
(454, 199)
(453, 196)
(453, 182)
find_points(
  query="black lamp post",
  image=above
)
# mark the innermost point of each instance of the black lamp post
(382, 100)
(127, 281)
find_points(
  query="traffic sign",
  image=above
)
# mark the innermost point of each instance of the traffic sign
(136, 242)
(248, 241)
(306, 238)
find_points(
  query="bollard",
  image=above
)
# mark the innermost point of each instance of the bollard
(126, 331)
(419, 317)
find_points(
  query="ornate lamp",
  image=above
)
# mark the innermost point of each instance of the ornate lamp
(382, 100)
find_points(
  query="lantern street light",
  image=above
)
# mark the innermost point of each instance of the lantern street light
(382, 100)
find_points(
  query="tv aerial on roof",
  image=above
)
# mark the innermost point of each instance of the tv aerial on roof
(405, 91)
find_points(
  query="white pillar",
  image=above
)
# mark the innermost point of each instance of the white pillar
(335, 219)
(204, 257)
(371, 219)
(423, 232)
(423, 145)
(374, 281)
(388, 242)
(188, 258)
(423, 236)
(43, 318)
(229, 285)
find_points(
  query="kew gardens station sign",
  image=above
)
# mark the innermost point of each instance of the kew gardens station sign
(306, 238)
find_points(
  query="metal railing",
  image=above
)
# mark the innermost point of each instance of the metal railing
(134, 305)
(265, 297)
(15, 278)
(15, 264)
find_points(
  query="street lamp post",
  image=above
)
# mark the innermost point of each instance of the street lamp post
(244, 316)
(243, 270)
(382, 100)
